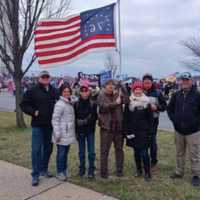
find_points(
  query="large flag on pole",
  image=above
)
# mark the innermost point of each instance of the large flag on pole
(64, 40)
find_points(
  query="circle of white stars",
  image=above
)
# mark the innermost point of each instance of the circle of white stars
(103, 19)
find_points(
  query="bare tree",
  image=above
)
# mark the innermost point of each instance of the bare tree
(18, 19)
(110, 64)
(193, 62)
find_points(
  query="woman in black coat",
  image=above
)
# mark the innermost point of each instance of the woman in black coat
(138, 120)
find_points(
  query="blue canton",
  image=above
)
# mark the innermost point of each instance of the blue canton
(97, 21)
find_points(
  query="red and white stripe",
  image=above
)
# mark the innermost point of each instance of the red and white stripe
(59, 41)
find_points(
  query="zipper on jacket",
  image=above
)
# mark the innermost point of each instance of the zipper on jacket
(183, 108)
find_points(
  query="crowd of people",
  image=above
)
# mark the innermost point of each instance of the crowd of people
(7, 83)
(123, 116)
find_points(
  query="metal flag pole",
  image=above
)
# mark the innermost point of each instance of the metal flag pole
(119, 36)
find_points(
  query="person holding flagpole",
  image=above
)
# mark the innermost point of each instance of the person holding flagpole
(110, 122)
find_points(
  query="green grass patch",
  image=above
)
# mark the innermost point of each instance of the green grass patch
(15, 148)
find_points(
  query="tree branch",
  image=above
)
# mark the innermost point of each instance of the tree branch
(193, 45)
(30, 64)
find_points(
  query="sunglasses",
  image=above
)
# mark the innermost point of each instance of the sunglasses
(45, 76)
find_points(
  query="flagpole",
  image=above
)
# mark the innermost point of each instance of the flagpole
(119, 36)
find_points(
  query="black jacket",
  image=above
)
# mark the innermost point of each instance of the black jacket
(38, 98)
(138, 122)
(85, 110)
(184, 111)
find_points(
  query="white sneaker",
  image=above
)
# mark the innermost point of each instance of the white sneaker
(61, 177)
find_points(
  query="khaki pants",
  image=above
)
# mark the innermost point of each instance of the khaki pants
(106, 140)
(192, 142)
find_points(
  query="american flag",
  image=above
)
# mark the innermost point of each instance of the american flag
(64, 40)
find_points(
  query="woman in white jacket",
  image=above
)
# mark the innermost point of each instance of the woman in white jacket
(63, 122)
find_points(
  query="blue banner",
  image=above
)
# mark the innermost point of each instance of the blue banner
(104, 76)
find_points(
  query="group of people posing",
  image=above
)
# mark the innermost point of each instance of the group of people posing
(122, 116)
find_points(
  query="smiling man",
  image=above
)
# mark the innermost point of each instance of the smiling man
(184, 112)
(38, 102)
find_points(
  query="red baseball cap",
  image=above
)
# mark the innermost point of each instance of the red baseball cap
(84, 87)
(137, 84)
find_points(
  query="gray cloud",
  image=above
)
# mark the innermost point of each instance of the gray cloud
(151, 35)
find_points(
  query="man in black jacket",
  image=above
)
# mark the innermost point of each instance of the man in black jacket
(86, 116)
(158, 104)
(38, 102)
(184, 112)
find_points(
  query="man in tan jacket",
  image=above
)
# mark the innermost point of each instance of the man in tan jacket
(110, 121)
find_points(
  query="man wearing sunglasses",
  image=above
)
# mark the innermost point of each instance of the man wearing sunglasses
(38, 102)
(184, 112)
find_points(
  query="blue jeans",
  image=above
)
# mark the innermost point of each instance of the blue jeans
(62, 158)
(90, 139)
(142, 155)
(153, 144)
(42, 148)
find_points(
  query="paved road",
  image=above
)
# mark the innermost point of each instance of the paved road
(165, 123)
(7, 103)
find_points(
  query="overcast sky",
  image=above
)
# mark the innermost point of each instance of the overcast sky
(151, 34)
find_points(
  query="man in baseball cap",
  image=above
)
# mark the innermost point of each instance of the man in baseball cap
(184, 111)
(44, 73)
(38, 102)
(186, 76)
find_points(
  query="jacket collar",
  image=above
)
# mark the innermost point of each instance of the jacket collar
(65, 100)
(192, 89)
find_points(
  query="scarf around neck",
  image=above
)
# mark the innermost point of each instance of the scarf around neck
(141, 102)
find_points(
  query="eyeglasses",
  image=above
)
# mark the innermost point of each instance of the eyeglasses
(45, 76)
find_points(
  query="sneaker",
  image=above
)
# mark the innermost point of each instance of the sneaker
(138, 173)
(35, 181)
(147, 177)
(61, 177)
(195, 181)
(46, 174)
(175, 175)
(91, 176)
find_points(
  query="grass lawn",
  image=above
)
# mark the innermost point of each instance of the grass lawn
(15, 148)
